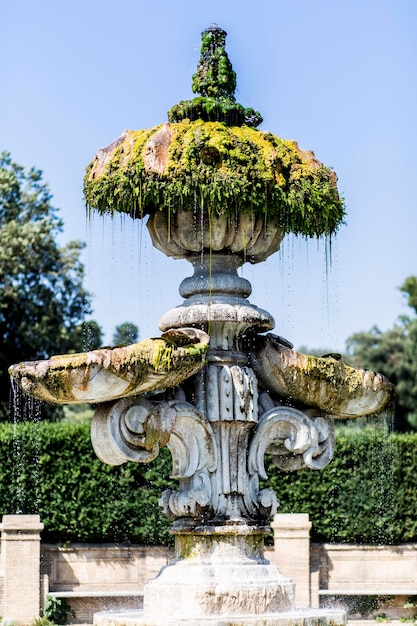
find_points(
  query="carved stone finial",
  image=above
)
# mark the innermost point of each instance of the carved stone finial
(215, 77)
(215, 81)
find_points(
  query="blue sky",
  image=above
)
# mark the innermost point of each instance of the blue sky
(338, 76)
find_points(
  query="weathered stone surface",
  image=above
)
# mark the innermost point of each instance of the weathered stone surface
(185, 233)
(106, 374)
(327, 384)
(216, 297)
(294, 439)
(131, 429)
(218, 571)
(156, 150)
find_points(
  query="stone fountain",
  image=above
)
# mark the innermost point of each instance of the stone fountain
(217, 388)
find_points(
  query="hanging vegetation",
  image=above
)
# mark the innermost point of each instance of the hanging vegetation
(218, 168)
(210, 157)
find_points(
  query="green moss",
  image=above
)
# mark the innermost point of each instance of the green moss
(221, 169)
(215, 77)
(54, 380)
(214, 160)
(215, 110)
(215, 80)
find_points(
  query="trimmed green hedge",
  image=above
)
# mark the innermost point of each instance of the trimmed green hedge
(367, 494)
(51, 469)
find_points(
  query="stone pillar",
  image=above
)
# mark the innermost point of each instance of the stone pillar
(292, 547)
(20, 567)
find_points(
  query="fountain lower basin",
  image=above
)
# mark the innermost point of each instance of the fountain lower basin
(300, 617)
(220, 577)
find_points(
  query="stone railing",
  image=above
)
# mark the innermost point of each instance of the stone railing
(98, 577)
(342, 573)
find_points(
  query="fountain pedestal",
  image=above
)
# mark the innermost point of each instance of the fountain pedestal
(218, 571)
(223, 425)
(220, 577)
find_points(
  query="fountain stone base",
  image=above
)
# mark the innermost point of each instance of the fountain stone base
(218, 571)
(220, 577)
(222, 430)
(300, 617)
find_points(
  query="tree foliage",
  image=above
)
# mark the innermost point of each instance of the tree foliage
(409, 287)
(87, 336)
(125, 334)
(42, 298)
(394, 354)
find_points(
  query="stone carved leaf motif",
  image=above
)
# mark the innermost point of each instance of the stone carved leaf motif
(193, 449)
(322, 455)
(294, 440)
(131, 429)
(191, 443)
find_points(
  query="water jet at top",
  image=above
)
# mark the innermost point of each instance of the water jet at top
(217, 388)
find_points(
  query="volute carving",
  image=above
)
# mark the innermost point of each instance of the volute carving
(194, 458)
(294, 440)
(131, 429)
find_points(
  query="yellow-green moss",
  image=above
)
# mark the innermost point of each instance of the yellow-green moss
(221, 169)
(54, 380)
(329, 384)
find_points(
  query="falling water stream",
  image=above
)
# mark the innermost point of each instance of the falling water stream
(26, 450)
(301, 285)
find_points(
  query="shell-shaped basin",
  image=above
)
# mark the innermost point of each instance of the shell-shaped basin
(112, 373)
(326, 384)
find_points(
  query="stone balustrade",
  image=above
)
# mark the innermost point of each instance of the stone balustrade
(97, 577)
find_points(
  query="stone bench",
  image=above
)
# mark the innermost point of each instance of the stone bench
(95, 594)
(86, 603)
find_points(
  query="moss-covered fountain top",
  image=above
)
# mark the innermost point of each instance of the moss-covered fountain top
(214, 388)
(210, 157)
